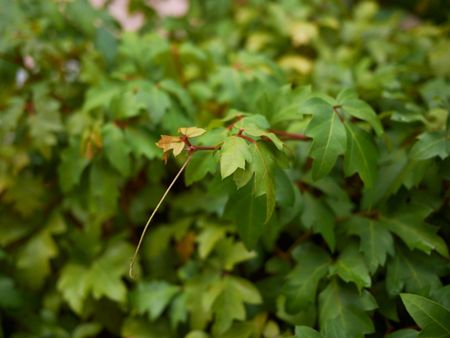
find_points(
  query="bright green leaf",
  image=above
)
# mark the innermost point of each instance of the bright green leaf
(431, 145)
(233, 155)
(153, 297)
(359, 109)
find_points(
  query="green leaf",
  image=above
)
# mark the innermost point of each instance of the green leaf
(27, 194)
(46, 123)
(181, 94)
(229, 305)
(262, 166)
(73, 283)
(376, 240)
(253, 130)
(361, 155)
(178, 310)
(103, 191)
(142, 143)
(103, 278)
(130, 102)
(318, 216)
(329, 140)
(248, 214)
(106, 43)
(301, 283)
(116, 149)
(105, 274)
(201, 164)
(100, 96)
(410, 226)
(343, 312)
(433, 318)
(10, 296)
(208, 239)
(413, 271)
(315, 105)
(359, 109)
(71, 166)
(351, 267)
(143, 328)
(306, 332)
(158, 103)
(33, 260)
(429, 145)
(442, 296)
(233, 155)
(104, 282)
(231, 253)
(403, 333)
(86, 330)
(153, 297)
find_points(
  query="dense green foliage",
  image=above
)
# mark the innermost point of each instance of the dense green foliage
(315, 204)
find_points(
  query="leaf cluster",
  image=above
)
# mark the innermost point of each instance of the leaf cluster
(315, 137)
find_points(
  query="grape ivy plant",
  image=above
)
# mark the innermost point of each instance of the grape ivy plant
(251, 168)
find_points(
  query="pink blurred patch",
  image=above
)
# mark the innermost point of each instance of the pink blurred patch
(28, 61)
(174, 8)
(129, 22)
(97, 3)
(119, 10)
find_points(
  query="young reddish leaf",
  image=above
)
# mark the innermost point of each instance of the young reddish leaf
(167, 143)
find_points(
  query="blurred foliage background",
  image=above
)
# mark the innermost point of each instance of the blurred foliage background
(87, 89)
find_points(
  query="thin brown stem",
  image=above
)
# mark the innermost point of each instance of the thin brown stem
(193, 148)
(290, 136)
(237, 119)
(133, 259)
(249, 139)
(336, 110)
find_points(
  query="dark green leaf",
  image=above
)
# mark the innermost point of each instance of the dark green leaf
(350, 267)
(412, 229)
(343, 311)
(376, 240)
(116, 149)
(361, 155)
(431, 145)
(329, 139)
(301, 283)
(432, 317)
(248, 214)
(71, 166)
(306, 332)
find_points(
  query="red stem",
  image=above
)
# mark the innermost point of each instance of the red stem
(283, 135)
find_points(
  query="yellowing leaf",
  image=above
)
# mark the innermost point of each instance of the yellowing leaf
(191, 131)
(302, 32)
(296, 63)
(167, 143)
